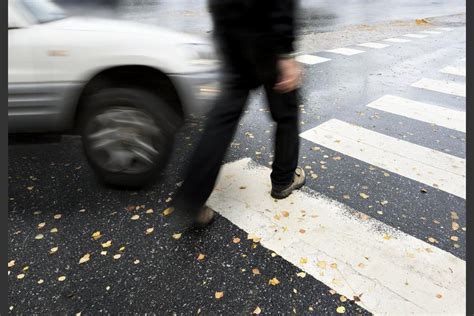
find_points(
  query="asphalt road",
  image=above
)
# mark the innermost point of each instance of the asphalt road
(54, 193)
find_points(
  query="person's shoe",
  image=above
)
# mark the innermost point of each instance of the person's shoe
(205, 217)
(299, 180)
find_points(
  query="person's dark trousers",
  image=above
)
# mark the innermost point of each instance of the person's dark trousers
(220, 127)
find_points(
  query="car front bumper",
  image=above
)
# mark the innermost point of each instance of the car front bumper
(197, 91)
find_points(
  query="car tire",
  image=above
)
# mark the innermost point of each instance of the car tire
(127, 135)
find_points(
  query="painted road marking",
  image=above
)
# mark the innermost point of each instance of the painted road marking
(345, 51)
(421, 111)
(443, 86)
(448, 29)
(311, 59)
(431, 32)
(415, 35)
(397, 40)
(392, 272)
(425, 165)
(373, 45)
(458, 71)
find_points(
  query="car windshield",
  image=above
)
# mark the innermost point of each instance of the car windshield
(44, 10)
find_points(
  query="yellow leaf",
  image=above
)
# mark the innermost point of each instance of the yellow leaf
(122, 249)
(135, 217)
(387, 237)
(85, 258)
(254, 237)
(11, 263)
(149, 230)
(454, 226)
(177, 236)
(454, 238)
(39, 236)
(274, 282)
(343, 298)
(285, 213)
(20, 276)
(53, 230)
(454, 215)
(53, 250)
(149, 211)
(303, 260)
(301, 274)
(107, 244)
(218, 295)
(41, 225)
(364, 196)
(25, 268)
(168, 211)
(321, 264)
(201, 257)
(332, 292)
(257, 311)
(273, 255)
(333, 265)
(236, 240)
(341, 310)
(96, 235)
(57, 216)
(277, 217)
(432, 240)
(61, 278)
(255, 271)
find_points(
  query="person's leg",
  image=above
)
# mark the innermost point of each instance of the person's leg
(284, 111)
(207, 158)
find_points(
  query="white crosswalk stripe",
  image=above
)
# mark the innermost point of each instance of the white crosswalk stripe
(311, 59)
(431, 32)
(458, 71)
(428, 166)
(397, 40)
(443, 86)
(415, 35)
(345, 51)
(448, 29)
(373, 45)
(392, 272)
(420, 111)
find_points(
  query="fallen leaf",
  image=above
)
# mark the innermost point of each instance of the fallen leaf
(148, 231)
(383, 202)
(343, 298)
(242, 188)
(53, 230)
(454, 226)
(439, 295)
(85, 258)
(387, 237)
(303, 260)
(314, 176)
(136, 261)
(285, 213)
(61, 278)
(454, 215)
(41, 225)
(333, 265)
(341, 310)
(177, 236)
(201, 257)
(11, 263)
(236, 240)
(423, 191)
(26, 268)
(257, 311)
(168, 211)
(254, 238)
(149, 211)
(361, 265)
(255, 271)
(117, 256)
(107, 244)
(364, 196)
(219, 295)
(96, 235)
(20, 276)
(39, 236)
(421, 21)
(321, 264)
(432, 240)
(454, 238)
(332, 292)
(346, 197)
(301, 274)
(135, 217)
(302, 231)
(122, 249)
(40, 281)
(273, 255)
(274, 281)
(57, 216)
(53, 250)
(103, 253)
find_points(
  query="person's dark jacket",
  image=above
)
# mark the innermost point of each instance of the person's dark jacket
(270, 23)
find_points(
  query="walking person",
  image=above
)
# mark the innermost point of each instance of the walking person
(256, 40)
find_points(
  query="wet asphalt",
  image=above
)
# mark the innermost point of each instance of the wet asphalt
(51, 183)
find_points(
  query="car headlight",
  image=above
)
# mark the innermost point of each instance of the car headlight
(201, 54)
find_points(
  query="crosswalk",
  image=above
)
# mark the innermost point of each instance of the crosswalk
(306, 228)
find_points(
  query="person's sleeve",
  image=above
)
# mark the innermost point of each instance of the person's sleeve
(282, 16)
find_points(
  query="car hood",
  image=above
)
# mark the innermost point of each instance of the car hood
(128, 28)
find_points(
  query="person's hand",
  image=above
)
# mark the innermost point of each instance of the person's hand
(290, 75)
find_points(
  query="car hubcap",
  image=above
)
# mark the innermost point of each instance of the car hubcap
(124, 140)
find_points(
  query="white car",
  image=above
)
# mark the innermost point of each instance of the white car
(125, 87)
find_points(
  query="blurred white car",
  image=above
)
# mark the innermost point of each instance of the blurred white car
(125, 87)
